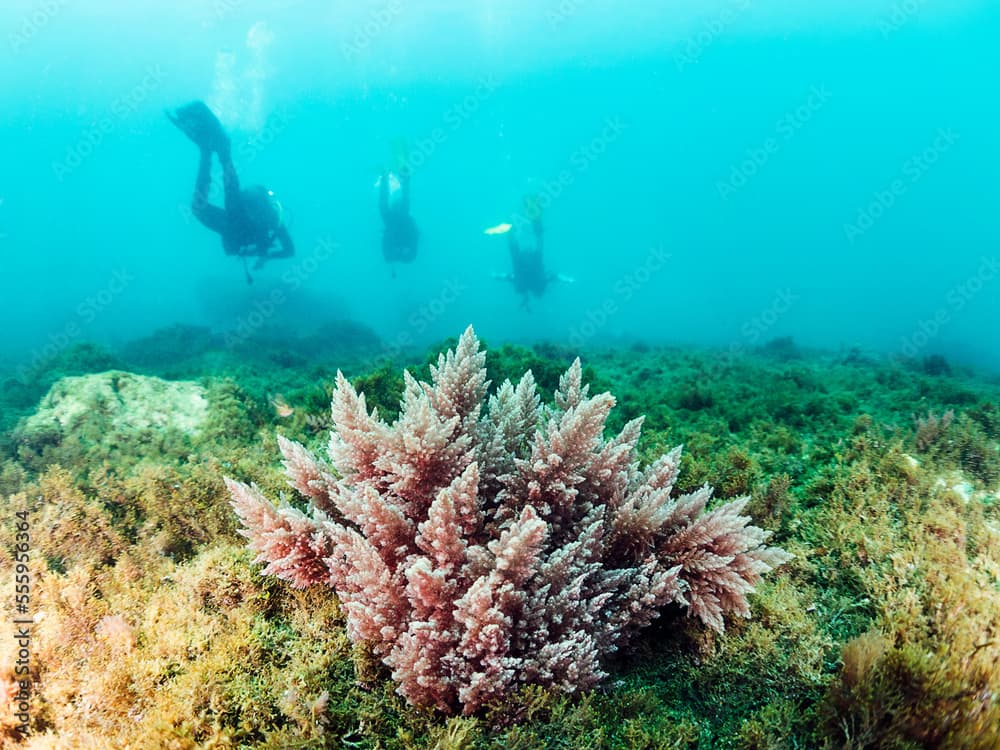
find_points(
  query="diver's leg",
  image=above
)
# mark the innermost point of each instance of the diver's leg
(199, 124)
(383, 197)
(515, 250)
(203, 182)
(211, 216)
(230, 180)
(404, 180)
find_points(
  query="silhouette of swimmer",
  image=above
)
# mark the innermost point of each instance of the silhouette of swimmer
(528, 273)
(400, 236)
(251, 222)
(527, 265)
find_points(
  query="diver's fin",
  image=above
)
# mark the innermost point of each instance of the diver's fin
(401, 154)
(533, 208)
(201, 125)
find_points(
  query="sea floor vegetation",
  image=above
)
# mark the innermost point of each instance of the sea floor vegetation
(152, 628)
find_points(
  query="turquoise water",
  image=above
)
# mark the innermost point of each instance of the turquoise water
(719, 174)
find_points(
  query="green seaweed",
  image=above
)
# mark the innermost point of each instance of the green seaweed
(880, 633)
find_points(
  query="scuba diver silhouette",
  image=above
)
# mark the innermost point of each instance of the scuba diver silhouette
(251, 221)
(400, 236)
(526, 242)
(528, 268)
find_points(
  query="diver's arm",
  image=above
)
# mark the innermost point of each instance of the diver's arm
(287, 248)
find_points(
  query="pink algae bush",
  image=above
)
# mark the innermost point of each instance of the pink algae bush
(478, 545)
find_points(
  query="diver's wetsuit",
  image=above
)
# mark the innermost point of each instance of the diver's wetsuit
(529, 274)
(250, 222)
(400, 235)
(240, 235)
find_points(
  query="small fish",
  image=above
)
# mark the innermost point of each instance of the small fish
(281, 408)
(498, 229)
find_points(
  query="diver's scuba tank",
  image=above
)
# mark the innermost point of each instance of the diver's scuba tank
(523, 231)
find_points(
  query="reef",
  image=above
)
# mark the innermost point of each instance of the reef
(153, 627)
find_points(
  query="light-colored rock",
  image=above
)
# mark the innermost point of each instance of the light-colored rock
(121, 403)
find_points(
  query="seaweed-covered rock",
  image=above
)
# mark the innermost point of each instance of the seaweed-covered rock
(121, 402)
(95, 417)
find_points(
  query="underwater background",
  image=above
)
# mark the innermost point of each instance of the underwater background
(715, 173)
(775, 230)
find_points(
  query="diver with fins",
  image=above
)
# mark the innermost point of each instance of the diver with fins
(400, 235)
(526, 243)
(252, 220)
